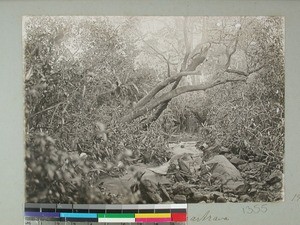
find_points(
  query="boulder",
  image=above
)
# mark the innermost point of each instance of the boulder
(275, 177)
(237, 186)
(179, 199)
(245, 198)
(198, 197)
(237, 161)
(224, 150)
(222, 169)
(215, 194)
(221, 200)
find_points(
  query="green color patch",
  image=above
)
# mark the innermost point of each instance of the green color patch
(115, 215)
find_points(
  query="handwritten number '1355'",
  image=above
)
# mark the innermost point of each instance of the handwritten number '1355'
(255, 209)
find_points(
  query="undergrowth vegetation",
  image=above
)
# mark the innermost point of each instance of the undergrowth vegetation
(81, 78)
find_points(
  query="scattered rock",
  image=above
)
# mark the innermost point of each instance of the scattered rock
(224, 168)
(221, 199)
(251, 166)
(164, 168)
(245, 198)
(252, 191)
(242, 167)
(178, 177)
(148, 189)
(228, 156)
(163, 192)
(83, 155)
(225, 171)
(183, 165)
(198, 197)
(201, 146)
(238, 187)
(278, 186)
(262, 196)
(215, 194)
(237, 161)
(224, 150)
(275, 177)
(172, 168)
(179, 199)
(232, 199)
(182, 188)
(212, 151)
(253, 177)
(151, 197)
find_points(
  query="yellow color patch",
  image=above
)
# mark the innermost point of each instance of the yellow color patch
(153, 215)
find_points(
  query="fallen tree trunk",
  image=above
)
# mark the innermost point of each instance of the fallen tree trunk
(174, 93)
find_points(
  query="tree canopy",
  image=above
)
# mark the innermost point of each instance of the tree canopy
(102, 93)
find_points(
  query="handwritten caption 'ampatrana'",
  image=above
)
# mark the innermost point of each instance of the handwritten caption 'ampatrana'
(207, 216)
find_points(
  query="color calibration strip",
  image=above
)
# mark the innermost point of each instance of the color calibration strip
(162, 213)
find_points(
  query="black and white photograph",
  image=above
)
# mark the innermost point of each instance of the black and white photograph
(153, 109)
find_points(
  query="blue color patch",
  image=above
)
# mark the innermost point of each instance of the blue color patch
(78, 215)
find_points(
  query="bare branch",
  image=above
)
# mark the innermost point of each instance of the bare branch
(239, 72)
(47, 109)
(174, 93)
(163, 84)
(230, 54)
(257, 69)
(242, 73)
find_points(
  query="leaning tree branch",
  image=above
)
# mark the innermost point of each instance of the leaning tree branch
(192, 66)
(243, 73)
(174, 93)
(162, 85)
(164, 104)
(196, 61)
(199, 55)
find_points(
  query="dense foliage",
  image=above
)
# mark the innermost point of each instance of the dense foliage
(73, 104)
(82, 75)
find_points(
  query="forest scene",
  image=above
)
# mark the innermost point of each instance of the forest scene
(134, 110)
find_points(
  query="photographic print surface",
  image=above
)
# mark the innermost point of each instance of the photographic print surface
(133, 110)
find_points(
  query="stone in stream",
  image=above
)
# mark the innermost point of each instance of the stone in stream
(179, 199)
(182, 188)
(221, 199)
(198, 197)
(178, 177)
(222, 169)
(224, 150)
(245, 198)
(237, 161)
(183, 166)
(275, 177)
(215, 194)
(149, 190)
(163, 192)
